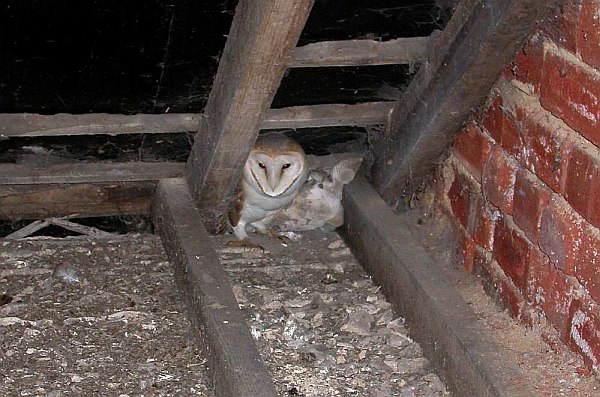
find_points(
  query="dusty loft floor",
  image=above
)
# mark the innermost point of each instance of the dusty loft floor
(322, 327)
(93, 317)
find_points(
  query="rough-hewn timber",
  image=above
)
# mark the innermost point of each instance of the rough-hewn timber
(15, 174)
(360, 114)
(85, 199)
(439, 319)
(236, 366)
(30, 124)
(407, 50)
(461, 67)
(262, 37)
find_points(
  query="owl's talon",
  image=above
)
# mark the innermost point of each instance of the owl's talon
(245, 243)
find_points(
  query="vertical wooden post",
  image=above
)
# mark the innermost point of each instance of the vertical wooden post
(262, 37)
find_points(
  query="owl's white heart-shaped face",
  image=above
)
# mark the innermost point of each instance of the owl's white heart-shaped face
(275, 174)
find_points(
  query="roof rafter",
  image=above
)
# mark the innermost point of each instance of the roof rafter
(480, 39)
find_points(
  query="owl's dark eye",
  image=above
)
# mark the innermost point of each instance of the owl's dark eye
(261, 165)
(287, 165)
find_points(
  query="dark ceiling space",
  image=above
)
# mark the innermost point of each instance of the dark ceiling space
(116, 56)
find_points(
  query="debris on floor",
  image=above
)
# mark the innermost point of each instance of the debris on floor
(321, 325)
(95, 317)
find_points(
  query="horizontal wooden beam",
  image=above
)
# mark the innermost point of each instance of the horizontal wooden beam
(82, 200)
(462, 65)
(407, 50)
(29, 124)
(14, 174)
(236, 366)
(360, 114)
(438, 317)
(87, 189)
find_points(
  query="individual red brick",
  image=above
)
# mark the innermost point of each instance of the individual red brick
(584, 331)
(496, 284)
(561, 233)
(561, 26)
(528, 62)
(588, 39)
(571, 92)
(587, 268)
(460, 198)
(582, 186)
(549, 290)
(512, 250)
(511, 139)
(472, 148)
(491, 118)
(481, 226)
(542, 146)
(499, 179)
(531, 197)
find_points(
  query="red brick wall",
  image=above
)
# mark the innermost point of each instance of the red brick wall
(522, 184)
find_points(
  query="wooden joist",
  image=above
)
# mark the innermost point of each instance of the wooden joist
(360, 114)
(87, 189)
(72, 173)
(84, 199)
(234, 362)
(407, 50)
(461, 67)
(28, 125)
(438, 317)
(262, 37)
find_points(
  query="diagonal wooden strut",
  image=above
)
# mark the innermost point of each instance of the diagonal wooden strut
(262, 36)
(480, 39)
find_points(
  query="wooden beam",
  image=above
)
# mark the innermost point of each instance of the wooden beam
(480, 39)
(262, 36)
(235, 364)
(438, 317)
(407, 50)
(29, 124)
(360, 114)
(87, 189)
(14, 174)
(84, 200)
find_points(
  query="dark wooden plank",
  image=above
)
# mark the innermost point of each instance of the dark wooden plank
(236, 366)
(360, 114)
(461, 67)
(14, 174)
(408, 50)
(439, 319)
(29, 124)
(87, 200)
(262, 36)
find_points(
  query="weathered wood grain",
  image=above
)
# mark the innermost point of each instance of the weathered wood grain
(407, 50)
(262, 37)
(235, 364)
(360, 114)
(30, 124)
(15, 174)
(85, 199)
(462, 65)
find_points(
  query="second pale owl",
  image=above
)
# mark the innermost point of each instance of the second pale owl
(274, 172)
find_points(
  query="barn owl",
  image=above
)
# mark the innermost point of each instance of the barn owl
(318, 204)
(274, 172)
